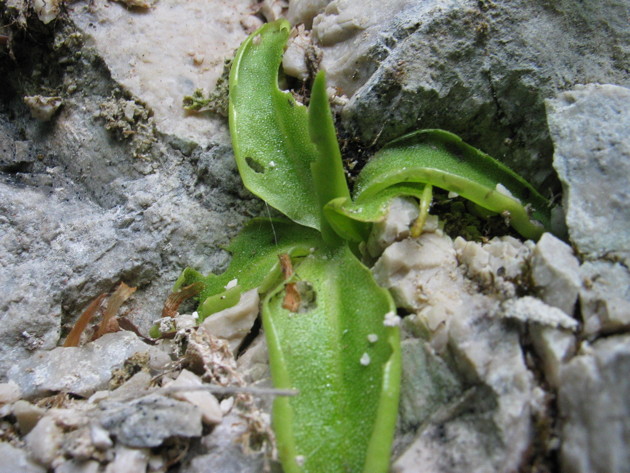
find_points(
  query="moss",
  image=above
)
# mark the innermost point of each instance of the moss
(217, 100)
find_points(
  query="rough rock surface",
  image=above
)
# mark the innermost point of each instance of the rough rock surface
(589, 127)
(596, 427)
(479, 69)
(78, 212)
(80, 370)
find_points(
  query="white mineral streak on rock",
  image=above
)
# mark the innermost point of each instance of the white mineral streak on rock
(593, 402)
(208, 405)
(394, 227)
(44, 441)
(234, 323)
(555, 272)
(159, 69)
(605, 296)
(80, 370)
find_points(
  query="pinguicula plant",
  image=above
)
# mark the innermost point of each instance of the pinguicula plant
(332, 332)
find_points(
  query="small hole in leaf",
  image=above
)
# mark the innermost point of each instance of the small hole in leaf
(254, 165)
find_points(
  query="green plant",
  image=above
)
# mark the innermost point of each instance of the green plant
(332, 332)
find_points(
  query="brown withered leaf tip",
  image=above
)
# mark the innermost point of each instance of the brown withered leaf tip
(175, 299)
(108, 323)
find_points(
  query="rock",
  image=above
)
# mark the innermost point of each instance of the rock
(605, 297)
(44, 441)
(206, 403)
(531, 310)
(128, 460)
(476, 69)
(163, 66)
(16, 460)
(394, 227)
(497, 265)
(9, 392)
(43, 108)
(555, 273)
(555, 347)
(79, 370)
(148, 421)
(589, 127)
(222, 451)
(27, 415)
(74, 466)
(234, 323)
(423, 278)
(593, 403)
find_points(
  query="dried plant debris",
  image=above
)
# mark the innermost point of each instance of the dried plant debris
(108, 323)
(217, 100)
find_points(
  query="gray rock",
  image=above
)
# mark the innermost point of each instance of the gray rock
(605, 297)
(81, 370)
(479, 69)
(555, 273)
(222, 451)
(79, 213)
(593, 402)
(148, 421)
(531, 310)
(555, 347)
(16, 460)
(589, 127)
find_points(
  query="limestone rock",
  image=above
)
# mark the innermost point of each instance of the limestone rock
(234, 323)
(605, 297)
(16, 460)
(79, 370)
(203, 400)
(589, 127)
(593, 402)
(148, 421)
(555, 272)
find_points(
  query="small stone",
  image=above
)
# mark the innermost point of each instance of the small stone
(605, 297)
(555, 272)
(148, 421)
(594, 408)
(128, 460)
(44, 441)
(394, 227)
(554, 347)
(9, 392)
(75, 466)
(531, 310)
(100, 436)
(27, 415)
(16, 460)
(234, 323)
(43, 108)
(211, 412)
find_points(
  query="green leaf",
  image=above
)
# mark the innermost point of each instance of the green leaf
(255, 260)
(344, 362)
(328, 176)
(352, 219)
(442, 159)
(269, 128)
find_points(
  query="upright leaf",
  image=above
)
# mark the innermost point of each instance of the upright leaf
(269, 128)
